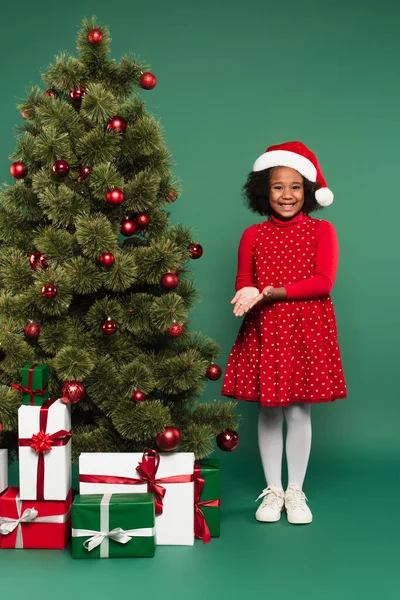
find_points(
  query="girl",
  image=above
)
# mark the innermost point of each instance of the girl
(286, 356)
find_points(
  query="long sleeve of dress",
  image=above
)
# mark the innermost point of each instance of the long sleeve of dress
(245, 271)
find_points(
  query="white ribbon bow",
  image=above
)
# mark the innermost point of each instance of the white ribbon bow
(7, 525)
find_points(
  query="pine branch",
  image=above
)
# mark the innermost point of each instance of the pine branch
(99, 105)
(95, 235)
(140, 421)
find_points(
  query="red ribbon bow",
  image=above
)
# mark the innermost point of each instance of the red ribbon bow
(42, 442)
(29, 390)
(147, 470)
(201, 530)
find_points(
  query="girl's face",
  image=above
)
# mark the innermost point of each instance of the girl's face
(286, 192)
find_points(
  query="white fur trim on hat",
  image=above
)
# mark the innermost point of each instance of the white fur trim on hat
(324, 196)
(284, 158)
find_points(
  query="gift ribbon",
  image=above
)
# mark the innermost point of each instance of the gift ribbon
(101, 538)
(29, 390)
(147, 470)
(201, 530)
(43, 442)
(30, 515)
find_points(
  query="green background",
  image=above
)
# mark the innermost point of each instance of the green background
(233, 78)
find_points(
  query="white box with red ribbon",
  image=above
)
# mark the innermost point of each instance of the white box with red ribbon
(44, 451)
(3, 470)
(168, 476)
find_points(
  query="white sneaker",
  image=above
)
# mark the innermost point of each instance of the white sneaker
(272, 505)
(297, 510)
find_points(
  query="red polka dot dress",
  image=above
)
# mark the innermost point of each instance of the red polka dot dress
(288, 351)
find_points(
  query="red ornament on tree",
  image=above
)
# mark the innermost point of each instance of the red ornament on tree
(117, 124)
(18, 170)
(49, 291)
(107, 259)
(195, 250)
(32, 331)
(169, 281)
(37, 259)
(172, 195)
(77, 94)
(142, 220)
(95, 36)
(227, 440)
(84, 172)
(24, 114)
(175, 330)
(115, 197)
(128, 227)
(72, 392)
(138, 396)
(51, 93)
(60, 168)
(148, 81)
(169, 439)
(214, 372)
(109, 327)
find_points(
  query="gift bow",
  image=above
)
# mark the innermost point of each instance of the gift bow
(201, 529)
(43, 442)
(147, 470)
(30, 515)
(29, 390)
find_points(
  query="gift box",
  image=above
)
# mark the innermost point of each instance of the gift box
(35, 378)
(207, 499)
(168, 476)
(113, 526)
(3, 470)
(44, 451)
(27, 524)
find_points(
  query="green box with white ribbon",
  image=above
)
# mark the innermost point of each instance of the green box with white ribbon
(113, 526)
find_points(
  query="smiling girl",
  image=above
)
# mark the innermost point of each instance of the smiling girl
(286, 356)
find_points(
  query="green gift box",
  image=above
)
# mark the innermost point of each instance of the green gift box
(35, 378)
(207, 498)
(113, 526)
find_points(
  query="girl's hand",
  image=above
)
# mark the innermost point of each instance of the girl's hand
(269, 294)
(243, 300)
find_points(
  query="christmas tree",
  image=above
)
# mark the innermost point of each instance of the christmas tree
(94, 281)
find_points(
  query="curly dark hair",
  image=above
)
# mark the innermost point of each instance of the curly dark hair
(256, 193)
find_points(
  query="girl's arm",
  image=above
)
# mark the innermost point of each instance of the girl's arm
(327, 258)
(245, 270)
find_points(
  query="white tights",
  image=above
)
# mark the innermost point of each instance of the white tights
(298, 442)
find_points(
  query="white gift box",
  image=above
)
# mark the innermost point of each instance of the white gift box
(56, 462)
(3, 470)
(175, 526)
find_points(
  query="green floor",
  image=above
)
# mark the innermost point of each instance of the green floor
(350, 551)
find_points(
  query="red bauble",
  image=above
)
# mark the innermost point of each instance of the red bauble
(175, 330)
(115, 196)
(107, 259)
(51, 93)
(169, 281)
(49, 291)
(84, 172)
(72, 392)
(117, 124)
(95, 36)
(109, 327)
(18, 170)
(77, 94)
(148, 81)
(128, 227)
(169, 439)
(1, 427)
(138, 396)
(37, 259)
(60, 168)
(172, 195)
(214, 372)
(32, 331)
(142, 220)
(195, 250)
(227, 440)
(24, 114)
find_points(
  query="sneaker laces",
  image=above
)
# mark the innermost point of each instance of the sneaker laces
(270, 498)
(296, 498)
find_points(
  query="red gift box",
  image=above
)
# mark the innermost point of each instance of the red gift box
(33, 523)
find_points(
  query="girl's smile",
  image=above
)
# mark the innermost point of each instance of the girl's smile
(286, 195)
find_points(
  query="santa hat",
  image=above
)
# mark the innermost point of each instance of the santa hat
(296, 156)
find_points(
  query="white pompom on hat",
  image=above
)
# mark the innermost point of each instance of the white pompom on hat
(296, 156)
